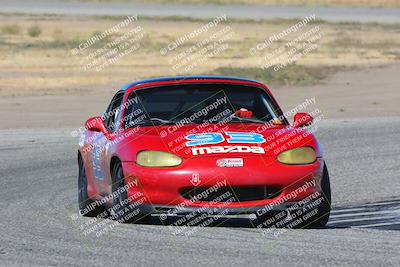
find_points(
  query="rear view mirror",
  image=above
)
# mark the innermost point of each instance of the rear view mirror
(302, 119)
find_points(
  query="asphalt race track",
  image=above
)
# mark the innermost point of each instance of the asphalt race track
(39, 193)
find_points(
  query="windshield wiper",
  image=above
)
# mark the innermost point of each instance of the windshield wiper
(159, 121)
(162, 121)
(232, 117)
(152, 121)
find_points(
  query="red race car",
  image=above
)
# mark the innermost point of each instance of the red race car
(202, 146)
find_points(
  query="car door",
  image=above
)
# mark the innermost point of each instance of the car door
(101, 171)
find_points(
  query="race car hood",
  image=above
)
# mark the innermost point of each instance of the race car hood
(174, 139)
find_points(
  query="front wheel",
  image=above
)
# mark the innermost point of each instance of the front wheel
(324, 209)
(314, 217)
(122, 209)
(86, 206)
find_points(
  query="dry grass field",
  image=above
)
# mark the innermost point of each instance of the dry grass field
(337, 3)
(36, 59)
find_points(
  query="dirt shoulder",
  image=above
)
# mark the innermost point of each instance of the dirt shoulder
(369, 92)
(372, 92)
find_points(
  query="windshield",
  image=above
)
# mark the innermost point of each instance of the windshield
(199, 103)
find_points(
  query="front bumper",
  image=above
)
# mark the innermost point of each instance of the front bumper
(161, 188)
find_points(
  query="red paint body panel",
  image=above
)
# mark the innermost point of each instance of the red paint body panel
(162, 186)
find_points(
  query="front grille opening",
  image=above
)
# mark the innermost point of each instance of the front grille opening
(238, 193)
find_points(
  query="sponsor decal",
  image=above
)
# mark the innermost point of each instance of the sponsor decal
(227, 149)
(195, 179)
(97, 156)
(233, 162)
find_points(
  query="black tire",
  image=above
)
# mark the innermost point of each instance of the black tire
(121, 210)
(86, 206)
(324, 209)
(317, 220)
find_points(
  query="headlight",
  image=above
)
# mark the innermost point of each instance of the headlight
(300, 155)
(151, 158)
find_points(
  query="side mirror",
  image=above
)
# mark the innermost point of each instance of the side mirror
(96, 124)
(302, 119)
